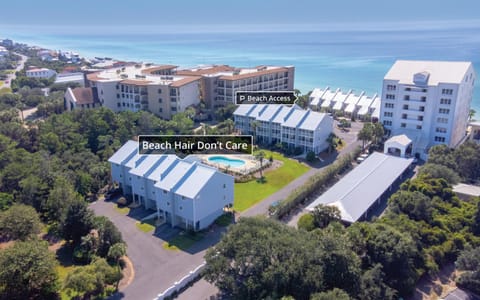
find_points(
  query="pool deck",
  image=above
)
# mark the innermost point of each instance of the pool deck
(251, 164)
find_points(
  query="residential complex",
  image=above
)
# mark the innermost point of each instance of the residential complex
(290, 125)
(40, 73)
(80, 98)
(335, 101)
(145, 87)
(164, 90)
(183, 192)
(428, 101)
(220, 82)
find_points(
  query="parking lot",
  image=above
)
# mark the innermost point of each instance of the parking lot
(155, 267)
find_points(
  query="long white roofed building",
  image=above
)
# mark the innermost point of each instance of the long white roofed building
(291, 125)
(183, 192)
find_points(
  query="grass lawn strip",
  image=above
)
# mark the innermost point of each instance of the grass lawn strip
(249, 193)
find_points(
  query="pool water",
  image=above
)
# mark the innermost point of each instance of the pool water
(235, 163)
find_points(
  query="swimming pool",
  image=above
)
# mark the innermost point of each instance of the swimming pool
(235, 163)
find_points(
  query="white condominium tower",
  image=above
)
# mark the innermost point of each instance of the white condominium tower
(429, 101)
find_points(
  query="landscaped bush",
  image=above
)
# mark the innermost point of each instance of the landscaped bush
(317, 182)
(122, 201)
(306, 222)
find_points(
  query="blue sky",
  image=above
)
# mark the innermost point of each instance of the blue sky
(198, 14)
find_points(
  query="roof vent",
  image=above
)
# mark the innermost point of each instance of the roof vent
(421, 78)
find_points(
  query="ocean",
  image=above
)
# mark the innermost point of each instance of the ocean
(347, 59)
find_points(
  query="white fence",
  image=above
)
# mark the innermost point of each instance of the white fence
(178, 285)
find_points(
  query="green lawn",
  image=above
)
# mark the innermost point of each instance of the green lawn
(249, 193)
(183, 241)
(146, 226)
(123, 210)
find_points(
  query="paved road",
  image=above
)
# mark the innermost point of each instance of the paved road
(350, 139)
(12, 76)
(155, 268)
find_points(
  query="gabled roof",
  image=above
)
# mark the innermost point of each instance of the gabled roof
(174, 176)
(312, 120)
(194, 181)
(145, 165)
(244, 109)
(162, 166)
(294, 118)
(356, 192)
(125, 153)
(269, 112)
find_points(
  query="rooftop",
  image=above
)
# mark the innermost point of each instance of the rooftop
(139, 75)
(438, 71)
(126, 152)
(82, 95)
(361, 187)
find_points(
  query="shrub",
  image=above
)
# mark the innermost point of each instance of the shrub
(122, 201)
(306, 222)
(310, 156)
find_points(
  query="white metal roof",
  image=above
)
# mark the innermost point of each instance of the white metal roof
(125, 152)
(193, 182)
(174, 176)
(439, 71)
(269, 112)
(145, 165)
(359, 189)
(312, 120)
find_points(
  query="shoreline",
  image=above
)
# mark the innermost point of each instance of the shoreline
(304, 81)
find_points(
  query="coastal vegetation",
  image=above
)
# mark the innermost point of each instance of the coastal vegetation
(425, 227)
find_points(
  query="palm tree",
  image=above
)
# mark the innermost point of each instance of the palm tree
(332, 142)
(471, 114)
(365, 134)
(260, 156)
(230, 125)
(254, 125)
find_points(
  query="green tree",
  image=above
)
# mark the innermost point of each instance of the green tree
(115, 253)
(325, 214)
(78, 222)
(27, 271)
(306, 222)
(469, 262)
(335, 294)
(60, 198)
(366, 133)
(373, 287)
(260, 258)
(414, 204)
(439, 171)
(108, 235)
(20, 222)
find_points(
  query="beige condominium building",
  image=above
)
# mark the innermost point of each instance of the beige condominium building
(146, 87)
(220, 82)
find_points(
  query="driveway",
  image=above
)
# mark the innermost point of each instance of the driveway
(156, 269)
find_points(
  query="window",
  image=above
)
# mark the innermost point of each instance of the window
(444, 111)
(180, 207)
(387, 123)
(118, 96)
(408, 89)
(390, 96)
(389, 105)
(160, 109)
(405, 106)
(447, 91)
(391, 87)
(159, 91)
(423, 98)
(403, 125)
(446, 101)
(422, 108)
(118, 104)
(440, 139)
(224, 186)
(442, 120)
(406, 97)
(388, 114)
(404, 116)
(159, 100)
(419, 127)
(441, 129)
(420, 118)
